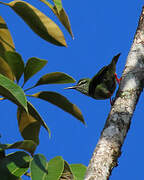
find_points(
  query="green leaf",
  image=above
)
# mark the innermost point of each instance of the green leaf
(12, 91)
(55, 168)
(26, 145)
(16, 63)
(60, 101)
(33, 66)
(29, 127)
(78, 171)
(61, 15)
(14, 165)
(30, 123)
(55, 78)
(58, 4)
(6, 42)
(38, 22)
(40, 169)
(33, 112)
(5, 69)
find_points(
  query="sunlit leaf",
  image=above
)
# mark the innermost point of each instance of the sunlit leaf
(78, 171)
(16, 63)
(61, 15)
(60, 101)
(38, 22)
(55, 168)
(14, 165)
(6, 42)
(26, 145)
(33, 66)
(58, 4)
(5, 69)
(30, 123)
(12, 91)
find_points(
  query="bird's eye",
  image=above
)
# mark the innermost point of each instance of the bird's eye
(82, 82)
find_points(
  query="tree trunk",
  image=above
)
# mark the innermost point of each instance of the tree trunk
(108, 149)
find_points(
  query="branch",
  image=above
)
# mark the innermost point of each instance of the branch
(108, 149)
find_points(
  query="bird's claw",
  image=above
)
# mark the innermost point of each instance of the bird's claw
(112, 101)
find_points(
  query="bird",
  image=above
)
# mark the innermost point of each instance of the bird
(102, 85)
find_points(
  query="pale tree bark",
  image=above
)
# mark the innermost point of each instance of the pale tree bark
(108, 149)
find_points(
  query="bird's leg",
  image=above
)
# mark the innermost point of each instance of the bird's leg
(111, 101)
(117, 79)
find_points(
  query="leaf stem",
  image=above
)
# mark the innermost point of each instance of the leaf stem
(29, 88)
(4, 3)
(3, 98)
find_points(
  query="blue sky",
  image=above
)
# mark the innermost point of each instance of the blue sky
(101, 30)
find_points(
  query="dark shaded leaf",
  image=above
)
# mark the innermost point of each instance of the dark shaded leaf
(38, 22)
(2, 154)
(29, 127)
(5, 69)
(14, 165)
(30, 123)
(26, 145)
(60, 101)
(78, 171)
(12, 91)
(16, 63)
(39, 167)
(55, 78)
(33, 66)
(6, 42)
(32, 111)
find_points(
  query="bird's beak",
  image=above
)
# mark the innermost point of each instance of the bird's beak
(72, 87)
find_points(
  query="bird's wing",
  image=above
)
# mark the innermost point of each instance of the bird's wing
(97, 79)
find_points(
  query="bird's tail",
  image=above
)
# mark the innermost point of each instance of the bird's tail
(115, 58)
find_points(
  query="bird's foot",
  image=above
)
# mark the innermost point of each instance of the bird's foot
(117, 79)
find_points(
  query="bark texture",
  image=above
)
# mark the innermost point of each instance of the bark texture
(108, 149)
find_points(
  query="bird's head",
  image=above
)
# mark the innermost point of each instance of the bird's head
(82, 86)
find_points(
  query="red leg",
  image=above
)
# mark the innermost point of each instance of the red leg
(117, 79)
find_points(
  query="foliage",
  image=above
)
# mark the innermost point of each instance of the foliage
(12, 68)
